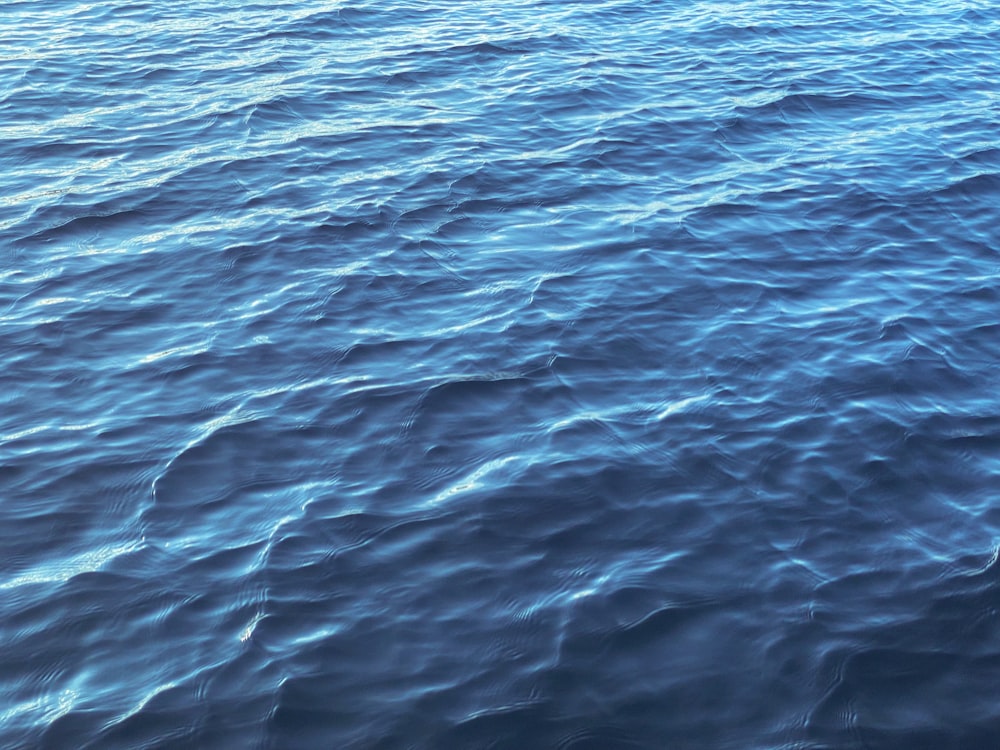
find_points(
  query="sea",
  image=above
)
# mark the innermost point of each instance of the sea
(608, 374)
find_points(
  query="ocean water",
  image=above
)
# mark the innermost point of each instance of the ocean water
(607, 374)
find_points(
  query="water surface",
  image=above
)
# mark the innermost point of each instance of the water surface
(516, 375)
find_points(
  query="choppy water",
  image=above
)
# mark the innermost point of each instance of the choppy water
(518, 375)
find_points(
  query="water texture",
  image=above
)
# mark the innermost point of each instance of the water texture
(610, 374)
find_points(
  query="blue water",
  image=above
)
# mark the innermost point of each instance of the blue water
(611, 374)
